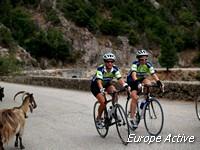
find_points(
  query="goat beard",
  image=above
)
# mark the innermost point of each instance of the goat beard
(31, 108)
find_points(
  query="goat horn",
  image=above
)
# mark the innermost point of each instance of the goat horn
(20, 92)
(26, 93)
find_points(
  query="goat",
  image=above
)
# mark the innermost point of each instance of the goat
(12, 120)
(1, 93)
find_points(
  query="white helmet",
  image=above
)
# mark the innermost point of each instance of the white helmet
(141, 52)
(108, 56)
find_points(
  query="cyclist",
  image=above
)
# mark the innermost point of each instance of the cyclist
(140, 69)
(101, 82)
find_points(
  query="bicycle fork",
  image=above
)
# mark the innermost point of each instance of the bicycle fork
(151, 110)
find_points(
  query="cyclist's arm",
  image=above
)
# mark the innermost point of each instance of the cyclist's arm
(100, 83)
(134, 71)
(121, 82)
(155, 77)
(119, 78)
(99, 76)
(133, 75)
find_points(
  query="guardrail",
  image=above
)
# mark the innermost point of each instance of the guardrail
(181, 90)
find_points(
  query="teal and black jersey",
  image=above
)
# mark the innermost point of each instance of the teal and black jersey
(105, 76)
(142, 70)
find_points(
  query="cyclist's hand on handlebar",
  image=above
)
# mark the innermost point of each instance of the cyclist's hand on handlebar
(161, 85)
(125, 85)
(139, 84)
(102, 90)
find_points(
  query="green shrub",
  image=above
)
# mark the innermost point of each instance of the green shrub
(152, 37)
(183, 37)
(112, 27)
(94, 23)
(133, 38)
(21, 24)
(186, 17)
(9, 65)
(6, 39)
(51, 15)
(198, 36)
(50, 44)
(168, 57)
(82, 17)
(5, 8)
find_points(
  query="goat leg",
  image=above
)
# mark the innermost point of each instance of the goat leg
(16, 141)
(1, 143)
(21, 145)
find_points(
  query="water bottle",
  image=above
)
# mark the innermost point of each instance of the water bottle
(141, 111)
(142, 104)
(109, 112)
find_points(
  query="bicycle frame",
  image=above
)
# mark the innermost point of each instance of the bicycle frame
(114, 100)
(148, 96)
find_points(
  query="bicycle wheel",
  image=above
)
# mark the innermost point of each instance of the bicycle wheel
(102, 131)
(122, 124)
(128, 113)
(197, 106)
(153, 117)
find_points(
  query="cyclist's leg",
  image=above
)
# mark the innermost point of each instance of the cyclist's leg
(146, 81)
(110, 88)
(96, 92)
(134, 97)
(102, 106)
(133, 104)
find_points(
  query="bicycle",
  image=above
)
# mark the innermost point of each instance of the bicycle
(151, 111)
(115, 116)
(197, 107)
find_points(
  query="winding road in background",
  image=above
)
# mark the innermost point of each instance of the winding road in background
(63, 120)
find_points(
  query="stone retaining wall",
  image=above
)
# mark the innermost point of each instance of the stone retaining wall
(173, 90)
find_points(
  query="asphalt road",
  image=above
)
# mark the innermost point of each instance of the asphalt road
(63, 120)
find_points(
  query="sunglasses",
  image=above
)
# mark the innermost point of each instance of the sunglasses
(106, 61)
(142, 59)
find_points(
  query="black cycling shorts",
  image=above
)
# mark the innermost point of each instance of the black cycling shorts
(133, 84)
(95, 89)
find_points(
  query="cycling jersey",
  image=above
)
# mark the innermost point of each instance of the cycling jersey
(142, 70)
(105, 76)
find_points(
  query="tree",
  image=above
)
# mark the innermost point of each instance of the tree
(168, 57)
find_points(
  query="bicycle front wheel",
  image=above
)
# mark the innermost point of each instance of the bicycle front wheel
(122, 124)
(197, 106)
(153, 117)
(128, 113)
(104, 130)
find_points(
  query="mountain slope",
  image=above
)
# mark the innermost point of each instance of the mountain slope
(79, 32)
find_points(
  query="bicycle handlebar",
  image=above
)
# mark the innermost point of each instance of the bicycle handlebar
(152, 85)
(115, 97)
